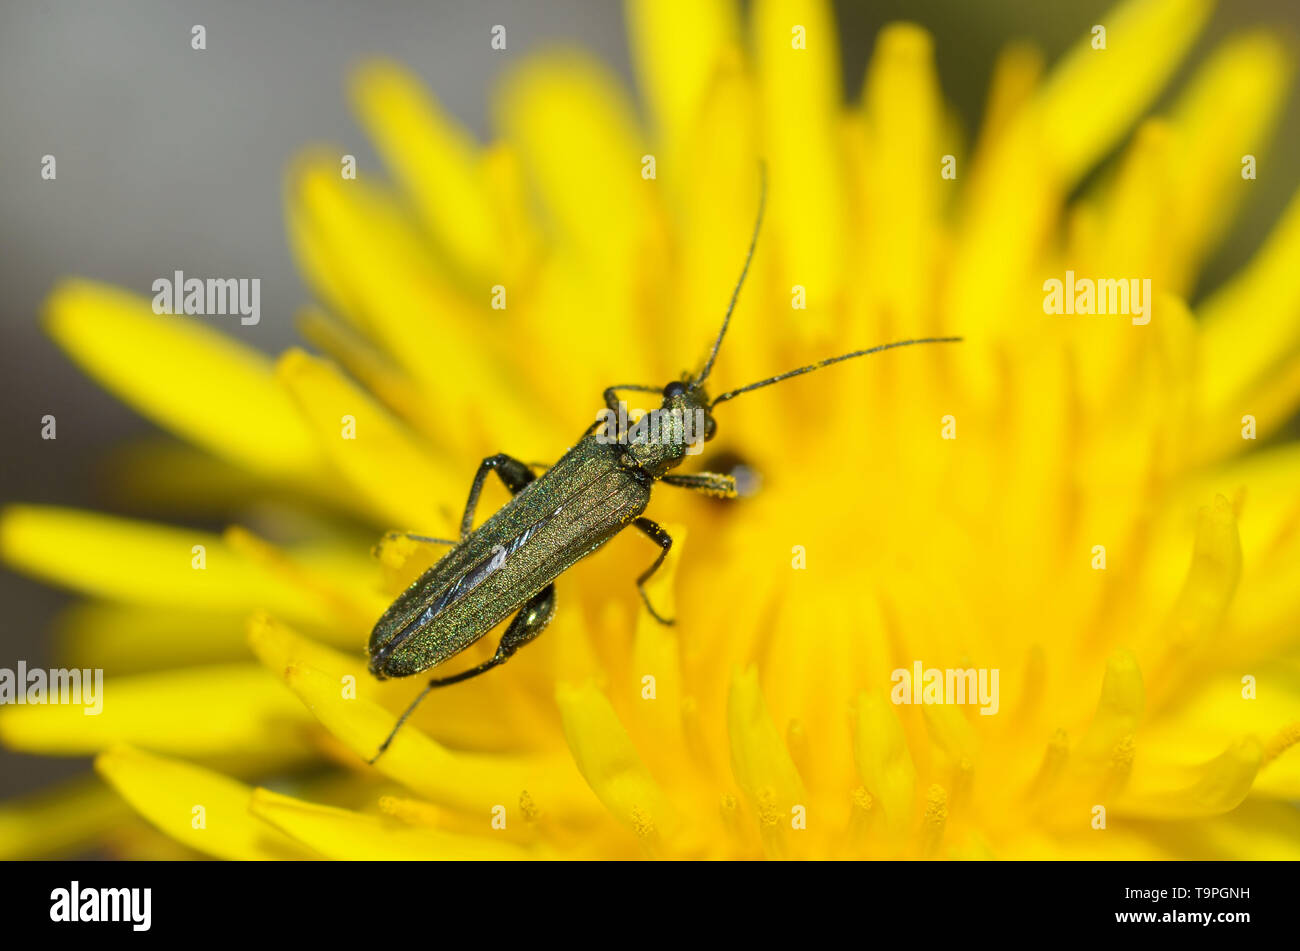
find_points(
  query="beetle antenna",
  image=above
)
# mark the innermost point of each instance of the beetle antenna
(825, 363)
(753, 242)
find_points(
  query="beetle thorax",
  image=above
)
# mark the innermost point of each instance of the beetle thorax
(661, 439)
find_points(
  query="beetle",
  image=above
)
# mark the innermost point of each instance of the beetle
(599, 487)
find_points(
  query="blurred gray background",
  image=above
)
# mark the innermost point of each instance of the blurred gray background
(171, 158)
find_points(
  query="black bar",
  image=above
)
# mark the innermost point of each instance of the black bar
(1046, 900)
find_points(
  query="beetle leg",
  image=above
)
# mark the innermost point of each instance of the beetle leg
(389, 537)
(611, 392)
(428, 539)
(665, 542)
(526, 625)
(513, 473)
(710, 483)
(612, 401)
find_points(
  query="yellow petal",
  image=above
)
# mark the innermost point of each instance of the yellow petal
(434, 159)
(1272, 401)
(952, 733)
(1221, 712)
(232, 710)
(360, 251)
(1265, 831)
(903, 109)
(395, 478)
(199, 808)
(169, 478)
(1119, 709)
(1216, 787)
(675, 46)
(344, 834)
(1212, 579)
(473, 782)
(1268, 526)
(1135, 210)
(129, 639)
(801, 101)
(716, 214)
(58, 822)
(809, 692)
(143, 563)
(347, 595)
(656, 653)
(1227, 111)
(610, 764)
(1251, 326)
(1016, 74)
(762, 764)
(170, 367)
(371, 368)
(1281, 762)
(1093, 96)
(575, 132)
(490, 717)
(1010, 207)
(884, 759)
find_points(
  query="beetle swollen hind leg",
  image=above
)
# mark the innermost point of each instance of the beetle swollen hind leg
(513, 473)
(656, 534)
(524, 627)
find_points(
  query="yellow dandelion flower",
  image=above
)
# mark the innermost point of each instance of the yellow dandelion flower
(1072, 509)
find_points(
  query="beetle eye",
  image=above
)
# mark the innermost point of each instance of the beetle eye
(675, 388)
(710, 428)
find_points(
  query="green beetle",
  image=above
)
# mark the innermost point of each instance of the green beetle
(508, 565)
